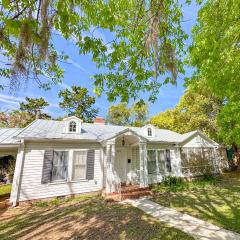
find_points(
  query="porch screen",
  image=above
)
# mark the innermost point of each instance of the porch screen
(151, 161)
(59, 166)
(79, 165)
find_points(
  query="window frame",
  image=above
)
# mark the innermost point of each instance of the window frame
(153, 150)
(158, 172)
(67, 167)
(72, 165)
(70, 130)
(149, 130)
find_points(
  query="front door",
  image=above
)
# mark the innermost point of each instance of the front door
(120, 163)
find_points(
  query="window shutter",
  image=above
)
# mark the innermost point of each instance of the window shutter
(47, 166)
(168, 161)
(90, 164)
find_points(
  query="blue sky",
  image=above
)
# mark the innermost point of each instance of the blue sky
(79, 69)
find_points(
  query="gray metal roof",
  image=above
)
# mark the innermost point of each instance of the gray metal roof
(50, 129)
(187, 135)
(7, 135)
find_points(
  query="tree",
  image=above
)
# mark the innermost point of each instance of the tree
(34, 107)
(121, 114)
(144, 53)
(15, 119)
(77, 102)
(215, 54)
(196, 110)
(139, 112)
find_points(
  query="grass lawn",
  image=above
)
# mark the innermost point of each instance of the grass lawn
(5, 189)
(217, 201)
(86, 217)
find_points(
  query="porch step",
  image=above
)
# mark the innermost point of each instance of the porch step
(128, 192)
(131, 189)
(133, 192)
(136, 194)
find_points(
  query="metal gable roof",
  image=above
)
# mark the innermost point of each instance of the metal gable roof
(50, 129)
(7, 135)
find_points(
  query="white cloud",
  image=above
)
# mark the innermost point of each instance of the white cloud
(77, 65)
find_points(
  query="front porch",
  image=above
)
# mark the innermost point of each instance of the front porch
(126, 162)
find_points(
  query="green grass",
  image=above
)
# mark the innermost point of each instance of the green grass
(5, 189)
(215, 200)
(87, 218)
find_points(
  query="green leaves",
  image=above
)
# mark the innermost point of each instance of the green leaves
(77, 102)
(196, 110)
(215, 54)
(145, 50)
(121, 114)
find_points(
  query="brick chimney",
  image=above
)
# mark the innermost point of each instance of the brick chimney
(99, 120)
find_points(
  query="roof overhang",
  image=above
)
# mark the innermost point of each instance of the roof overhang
(59, 140)
(124, 132)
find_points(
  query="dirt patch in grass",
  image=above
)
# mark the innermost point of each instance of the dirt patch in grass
(216, 201)
(91, 218)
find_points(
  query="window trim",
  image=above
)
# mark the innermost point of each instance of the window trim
(51, 176)
(149, 130)
(166, 172)
(155, 172)
(72, 165)
(69, 126)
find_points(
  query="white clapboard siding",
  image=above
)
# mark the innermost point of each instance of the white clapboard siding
(198, 141)
(31, 186)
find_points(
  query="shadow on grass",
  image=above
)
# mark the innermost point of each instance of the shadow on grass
(88, 219)
(218, 203)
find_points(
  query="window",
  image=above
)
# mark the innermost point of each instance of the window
(151, 161)
(59, 166)
(168, 161)
(162, 161)
(149, 132)
(79, 165)
(72, 126)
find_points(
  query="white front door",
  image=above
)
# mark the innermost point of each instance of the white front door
(120, 163)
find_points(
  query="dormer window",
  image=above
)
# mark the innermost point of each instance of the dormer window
(149, 132)
(72, 126)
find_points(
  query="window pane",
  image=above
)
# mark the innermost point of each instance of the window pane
(60, 163)
(161, 161)
(72, 126)
(151, 160)
(79, 165)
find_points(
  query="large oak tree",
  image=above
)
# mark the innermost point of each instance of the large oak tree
(143, 54)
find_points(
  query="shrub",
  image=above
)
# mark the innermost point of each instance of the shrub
(173, 181)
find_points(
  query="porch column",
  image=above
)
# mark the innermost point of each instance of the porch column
(16, 185)
(110, 151)
(143, 164)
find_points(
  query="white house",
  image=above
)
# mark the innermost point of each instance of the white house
(58, 158)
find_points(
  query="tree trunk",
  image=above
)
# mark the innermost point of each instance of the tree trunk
(236, 157)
